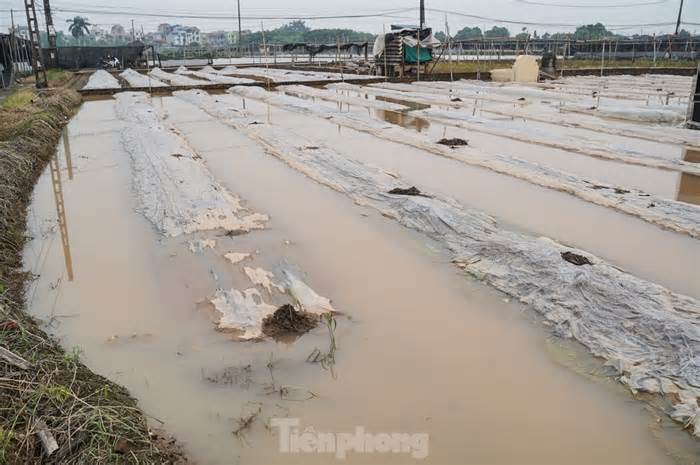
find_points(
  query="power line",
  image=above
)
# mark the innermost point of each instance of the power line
(593, 5)
(228, 15)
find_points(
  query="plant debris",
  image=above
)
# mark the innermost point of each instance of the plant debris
(234, 375)
(287, 320)
(246, 422)
(575, 258)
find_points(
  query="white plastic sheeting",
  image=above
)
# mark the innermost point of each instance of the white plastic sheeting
(288, 75)
(670, 214)
(101, 79)
(214, 77)
(243, 311)
(309, 300)
(136, 79)
(174, 189)
(176, 79)
(642, 115)
(564, 139)
(650, 334)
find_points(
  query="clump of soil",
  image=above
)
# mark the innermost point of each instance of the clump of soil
(455, 99)
(575, 258)
(413, 190)
(287, 320)
(454, 142)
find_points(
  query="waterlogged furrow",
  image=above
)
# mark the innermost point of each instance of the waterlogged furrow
(515, 131)
(174, 189)
(551, 115)
(534, 135)
(669, 214)
(648, 333)
(330, 96)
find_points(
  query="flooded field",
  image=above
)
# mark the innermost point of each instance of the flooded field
(167, 228)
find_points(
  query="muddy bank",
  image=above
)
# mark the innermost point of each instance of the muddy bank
(52, 403)
(645, 332)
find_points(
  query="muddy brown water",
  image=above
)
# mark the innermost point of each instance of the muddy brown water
(421, 348)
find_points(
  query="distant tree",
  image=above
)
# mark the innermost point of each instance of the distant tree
(524, 35)
(592, 32)
(469, 33)
(497, 32)
(118, 30)
(685, 34)
(441, 36)
(78, 26)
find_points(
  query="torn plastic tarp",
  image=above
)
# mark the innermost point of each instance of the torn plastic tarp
(650, 334)
(245, 311)
(242, 311)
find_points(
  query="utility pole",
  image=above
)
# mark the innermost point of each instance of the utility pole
(678, 23)
(13, 41)
(239, 26)
(133, 32)
(40, 79)
(51, 35)
(421, 22)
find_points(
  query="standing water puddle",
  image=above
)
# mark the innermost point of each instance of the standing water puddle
(420, 348)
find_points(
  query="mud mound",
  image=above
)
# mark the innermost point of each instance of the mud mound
(454, 142)
(413, 190)
(575, 258)
(287, 320)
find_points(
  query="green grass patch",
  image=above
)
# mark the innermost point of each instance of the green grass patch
(57, 77)
(17, 100)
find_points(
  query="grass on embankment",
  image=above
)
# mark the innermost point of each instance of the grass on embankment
(92, 419)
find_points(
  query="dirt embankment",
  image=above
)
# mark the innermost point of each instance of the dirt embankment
(49, 400)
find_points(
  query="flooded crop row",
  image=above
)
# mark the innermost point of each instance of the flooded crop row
(256, 259)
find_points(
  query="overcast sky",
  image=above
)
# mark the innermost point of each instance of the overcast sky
(564, 12)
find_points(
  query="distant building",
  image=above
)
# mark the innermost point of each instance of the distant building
(233, 35)
(182, 36)
(217, 39)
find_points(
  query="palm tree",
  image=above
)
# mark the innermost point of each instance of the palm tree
(78, 26)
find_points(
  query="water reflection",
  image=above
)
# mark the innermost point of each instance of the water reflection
(403, 119)
(689, 184)
(67, 153)
(57, 187)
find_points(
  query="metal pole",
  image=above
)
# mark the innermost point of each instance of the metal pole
(51, 34)
(602, 59)
(239, 24)
(678, 23)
